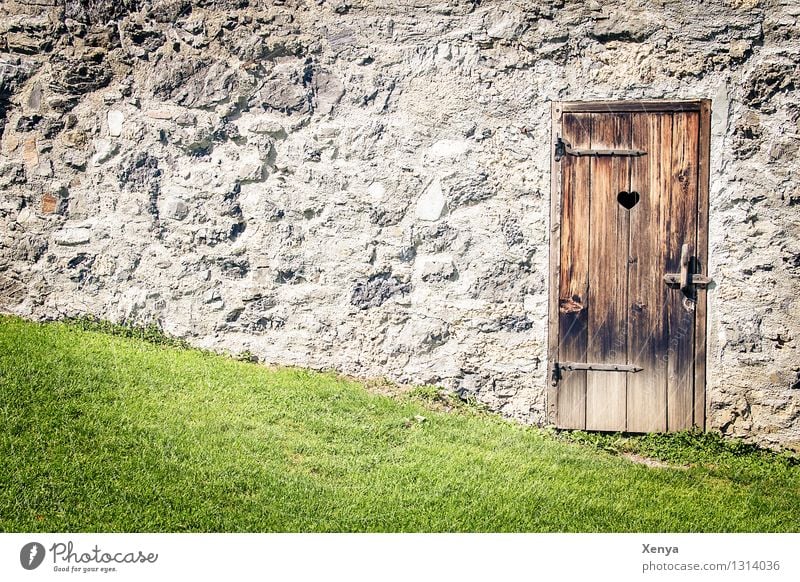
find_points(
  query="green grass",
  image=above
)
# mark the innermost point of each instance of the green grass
(100, 432)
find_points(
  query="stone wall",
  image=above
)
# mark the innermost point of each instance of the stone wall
(364, 185)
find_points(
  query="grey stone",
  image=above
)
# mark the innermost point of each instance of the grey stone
(45, 169)
(377, 289)
(234, 268)
(145, 37)
(74, 159)
(469, 188)
(72, 236)
(176, 208)
(209, 86)
(104, 150)
(28, 43)
(438, 270)
(516, 323)
(625, 26)
(186, 119)
(769, 80)
(286, 97)
(431, 203)
(142, 173)
(34, 101)
(269, 127)
(328, 91)
(512, 323)
(115, 120)
(211, 296)
(77, 76)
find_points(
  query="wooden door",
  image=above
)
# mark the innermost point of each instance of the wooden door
(629, 206)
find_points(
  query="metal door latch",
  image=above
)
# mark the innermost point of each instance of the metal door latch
(686, 280)
(565, 149)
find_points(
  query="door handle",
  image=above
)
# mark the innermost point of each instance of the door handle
(686, 280)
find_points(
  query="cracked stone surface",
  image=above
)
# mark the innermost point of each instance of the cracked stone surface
(364, 185)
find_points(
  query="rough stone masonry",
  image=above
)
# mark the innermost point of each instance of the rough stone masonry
(363, 185)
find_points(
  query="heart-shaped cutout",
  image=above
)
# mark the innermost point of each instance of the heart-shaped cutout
(628, 199)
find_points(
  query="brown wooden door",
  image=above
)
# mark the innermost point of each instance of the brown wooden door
(629, 203)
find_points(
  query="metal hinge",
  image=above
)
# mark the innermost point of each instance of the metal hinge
(593, 367)
(565, 149)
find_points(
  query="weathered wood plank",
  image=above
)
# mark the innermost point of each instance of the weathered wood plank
(650, 176)
(555, 250)
(704, 147)
(630, 106)
(653, 328)
(608, 258)
(574, 272)
(682, 230)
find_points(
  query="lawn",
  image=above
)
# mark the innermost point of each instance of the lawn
(100, 432)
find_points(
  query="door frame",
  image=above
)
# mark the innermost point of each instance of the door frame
(703, 106)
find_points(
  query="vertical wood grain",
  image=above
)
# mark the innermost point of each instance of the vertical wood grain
(682, 229)
(704, 149)
(650, 176)
(574, 271)
(555, 258)
(608, 302)
(608, 257)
